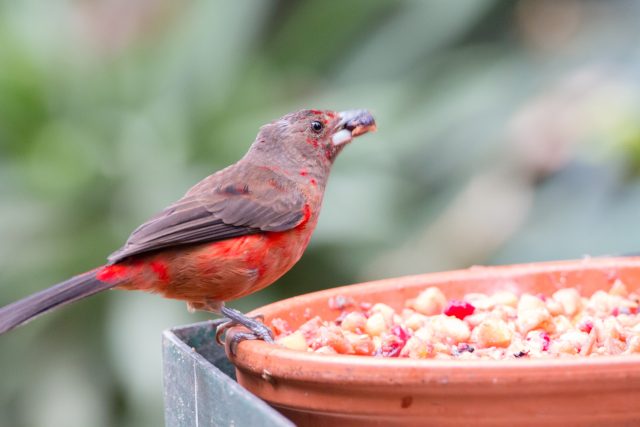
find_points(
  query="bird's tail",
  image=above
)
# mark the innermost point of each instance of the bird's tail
(74, 289)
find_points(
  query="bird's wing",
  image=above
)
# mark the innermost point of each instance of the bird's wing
(222, 206)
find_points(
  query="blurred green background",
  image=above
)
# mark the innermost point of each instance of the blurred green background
(509, 131)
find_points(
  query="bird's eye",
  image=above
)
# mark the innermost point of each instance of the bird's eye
(316, 126)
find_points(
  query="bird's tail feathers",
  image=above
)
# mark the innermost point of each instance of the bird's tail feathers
(74, 289)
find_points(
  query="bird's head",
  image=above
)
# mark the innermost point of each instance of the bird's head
(310, 139)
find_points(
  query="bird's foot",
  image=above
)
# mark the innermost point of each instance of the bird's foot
(258, 330)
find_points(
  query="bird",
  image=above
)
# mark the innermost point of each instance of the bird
(232, 234)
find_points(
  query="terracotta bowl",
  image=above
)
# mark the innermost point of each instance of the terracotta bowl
(328, 390)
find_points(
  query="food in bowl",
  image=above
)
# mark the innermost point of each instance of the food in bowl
(479, 326)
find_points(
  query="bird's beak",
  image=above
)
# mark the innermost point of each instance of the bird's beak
(352, 123)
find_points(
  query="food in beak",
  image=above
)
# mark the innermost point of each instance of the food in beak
(353, 123)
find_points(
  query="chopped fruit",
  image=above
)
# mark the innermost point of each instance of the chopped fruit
(280, 327)
(362, 343)
(376, 324)
(492, 333)
(354, 321)
(391, 346)
(294, 341)
(400, 332)
(586, 325)
(569, 299)
(430, 301)
(476, 326)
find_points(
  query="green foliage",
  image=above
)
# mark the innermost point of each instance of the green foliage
(508, 132)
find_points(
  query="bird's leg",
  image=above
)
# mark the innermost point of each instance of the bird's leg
(225, 323)
(258, 330)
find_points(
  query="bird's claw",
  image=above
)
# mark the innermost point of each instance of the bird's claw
(258, 330)
(238, 337)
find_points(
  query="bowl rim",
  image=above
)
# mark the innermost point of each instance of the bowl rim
(279, 362)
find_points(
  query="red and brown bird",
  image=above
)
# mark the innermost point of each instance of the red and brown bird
(232, 234)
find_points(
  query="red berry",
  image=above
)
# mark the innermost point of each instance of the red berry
(459, 309)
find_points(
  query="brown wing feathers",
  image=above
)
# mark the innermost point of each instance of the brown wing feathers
(219, 209)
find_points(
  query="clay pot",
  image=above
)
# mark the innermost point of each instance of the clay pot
(329, 390)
